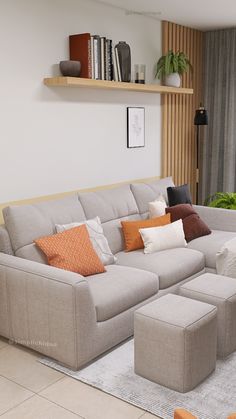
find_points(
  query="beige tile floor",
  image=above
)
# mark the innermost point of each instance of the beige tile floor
(30, 390)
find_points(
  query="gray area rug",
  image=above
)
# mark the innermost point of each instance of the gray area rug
(113, 373)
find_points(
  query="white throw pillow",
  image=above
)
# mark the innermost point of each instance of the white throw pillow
(99, 241)
(157, 208)
(226, 259)
(164, 237)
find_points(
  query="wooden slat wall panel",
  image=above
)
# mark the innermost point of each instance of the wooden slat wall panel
(178, 131)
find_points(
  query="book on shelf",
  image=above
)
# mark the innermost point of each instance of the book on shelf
(117, 65)
(97, 56)
(109, 60)
(80, 50)
(103, 58)
(92, 57)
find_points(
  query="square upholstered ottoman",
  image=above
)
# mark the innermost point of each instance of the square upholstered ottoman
(175, 341)
(220, 291)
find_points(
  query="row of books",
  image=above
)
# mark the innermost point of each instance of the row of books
(98, 58)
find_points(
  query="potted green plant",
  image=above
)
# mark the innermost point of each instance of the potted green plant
(171, 66)
(222, 200)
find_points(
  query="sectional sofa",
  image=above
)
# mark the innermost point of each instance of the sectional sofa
(74, 319)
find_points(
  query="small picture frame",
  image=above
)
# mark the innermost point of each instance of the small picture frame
(135, 127)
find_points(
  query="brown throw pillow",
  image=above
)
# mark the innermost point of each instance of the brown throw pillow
(193, 225)
(180, 211)
(132, 237)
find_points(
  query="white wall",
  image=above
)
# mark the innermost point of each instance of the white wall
(60, 139)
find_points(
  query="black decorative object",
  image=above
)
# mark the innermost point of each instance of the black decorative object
(70, 68)
(201, 118)
(179, 195)
(124, 56)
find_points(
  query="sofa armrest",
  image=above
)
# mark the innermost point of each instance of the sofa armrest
(217, 218)
(35, 268)
(47, 309)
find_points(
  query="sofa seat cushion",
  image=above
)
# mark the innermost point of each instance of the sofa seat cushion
(119, 289)
(210, 245)
(172, 265)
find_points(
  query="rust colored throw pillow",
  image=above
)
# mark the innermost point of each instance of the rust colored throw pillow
(193, 225)
(71, 250)
(133, 239)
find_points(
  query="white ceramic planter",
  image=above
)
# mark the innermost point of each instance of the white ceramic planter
(172, 80)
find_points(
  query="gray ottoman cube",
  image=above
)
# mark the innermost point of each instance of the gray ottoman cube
(221, 292)
(175, 341)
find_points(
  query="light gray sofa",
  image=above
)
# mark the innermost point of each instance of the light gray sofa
(74, 319)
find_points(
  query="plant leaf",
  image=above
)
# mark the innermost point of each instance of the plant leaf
(172, 63)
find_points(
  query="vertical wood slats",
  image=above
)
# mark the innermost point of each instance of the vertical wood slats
(178, 131)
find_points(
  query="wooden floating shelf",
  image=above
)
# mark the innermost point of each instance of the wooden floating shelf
(114, 85)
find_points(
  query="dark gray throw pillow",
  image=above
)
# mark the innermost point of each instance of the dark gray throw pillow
(179, 195)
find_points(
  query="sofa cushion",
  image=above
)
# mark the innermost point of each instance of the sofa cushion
(210, 245)
(119, 289)
(25, 223)
(179, 195)
(71, 250)
(158, 207)
(194, 226)
(165, 237)
(111, 206)
(132, 237)
(172, 265)
(96, 234)
(147, 192)
(180, 211)
(32, 252)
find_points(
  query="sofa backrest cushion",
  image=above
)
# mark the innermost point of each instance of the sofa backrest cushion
(31, 252)
(25, 223)
(148, 192)
(111, 206)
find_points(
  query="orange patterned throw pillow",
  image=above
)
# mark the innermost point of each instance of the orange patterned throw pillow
(183, 414)
(71, 250)
(133, 239)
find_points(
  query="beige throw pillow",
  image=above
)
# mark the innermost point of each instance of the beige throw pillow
(99, 241)
(158, 207)
(162, 238)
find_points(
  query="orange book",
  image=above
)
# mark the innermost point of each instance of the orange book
(80, 50)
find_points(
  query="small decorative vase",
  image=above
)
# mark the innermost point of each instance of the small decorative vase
(124, 56)
(172, 80)
(70, 68)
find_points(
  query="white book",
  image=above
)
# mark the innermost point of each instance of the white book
(115, 72)
(96, 64)
(117, 64)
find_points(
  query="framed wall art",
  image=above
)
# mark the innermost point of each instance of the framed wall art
(135, 127)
